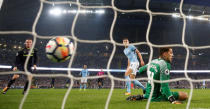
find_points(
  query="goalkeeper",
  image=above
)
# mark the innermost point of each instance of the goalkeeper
(159, 69)
(20, 61)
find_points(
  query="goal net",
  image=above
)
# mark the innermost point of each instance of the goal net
(97, 28)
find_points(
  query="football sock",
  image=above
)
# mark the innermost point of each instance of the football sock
(128, 84)
(80, 86)
(11, 82)
(26, 86)
(137, 83)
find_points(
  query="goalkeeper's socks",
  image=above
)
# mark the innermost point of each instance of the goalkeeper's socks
(128, 84)
(136, 82)
(11, 82)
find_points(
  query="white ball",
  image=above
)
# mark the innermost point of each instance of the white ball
(59, 49)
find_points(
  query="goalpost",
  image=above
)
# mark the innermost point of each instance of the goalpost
(1, 2)
(111, 41)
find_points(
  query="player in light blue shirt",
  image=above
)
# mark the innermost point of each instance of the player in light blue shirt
(131, 52)
(84, 73)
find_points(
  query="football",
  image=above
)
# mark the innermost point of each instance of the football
(59, 49)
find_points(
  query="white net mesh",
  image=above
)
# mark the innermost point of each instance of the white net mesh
(111, 41)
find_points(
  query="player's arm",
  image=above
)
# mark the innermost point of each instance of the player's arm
(143, 69)
(165, 89)
(17, 60)
(140, 57)
(88, 73)
(128, 63)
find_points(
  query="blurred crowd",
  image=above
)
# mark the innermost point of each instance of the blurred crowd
(61, 82)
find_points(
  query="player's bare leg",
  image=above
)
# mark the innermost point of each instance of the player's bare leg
(128, 81)
(182, 96)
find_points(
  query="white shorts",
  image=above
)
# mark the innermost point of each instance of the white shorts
(134, 66)
(84, 80)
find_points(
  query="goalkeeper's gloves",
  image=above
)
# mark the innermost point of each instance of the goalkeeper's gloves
(173, 101)
(135, 98)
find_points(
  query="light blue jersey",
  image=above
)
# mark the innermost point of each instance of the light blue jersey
(84, 73)
(130, 52)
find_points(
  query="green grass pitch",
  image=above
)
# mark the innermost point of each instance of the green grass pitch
(94, 99)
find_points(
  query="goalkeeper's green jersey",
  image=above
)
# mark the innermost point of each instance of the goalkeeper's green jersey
(158, 69)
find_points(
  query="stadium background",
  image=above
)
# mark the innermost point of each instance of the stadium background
(20, 15)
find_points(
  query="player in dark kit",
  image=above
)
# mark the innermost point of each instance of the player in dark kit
(20, 61)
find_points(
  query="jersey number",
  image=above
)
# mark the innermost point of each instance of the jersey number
(150, 76)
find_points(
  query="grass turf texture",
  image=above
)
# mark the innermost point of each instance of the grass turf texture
(94, 99)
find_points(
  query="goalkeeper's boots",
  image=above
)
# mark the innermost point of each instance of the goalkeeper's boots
(127, 93)
(135, 98)
(3, 92)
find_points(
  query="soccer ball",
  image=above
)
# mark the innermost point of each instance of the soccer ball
(59, 49)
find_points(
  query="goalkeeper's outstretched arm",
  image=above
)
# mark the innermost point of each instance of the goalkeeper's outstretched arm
(143, 69)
